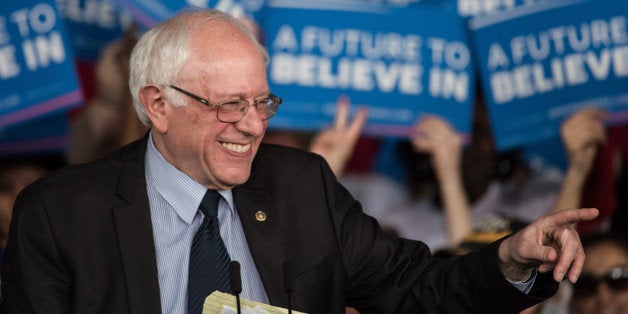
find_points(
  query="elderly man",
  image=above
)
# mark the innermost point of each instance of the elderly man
(126, 234)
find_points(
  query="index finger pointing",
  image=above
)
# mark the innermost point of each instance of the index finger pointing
(571, 216)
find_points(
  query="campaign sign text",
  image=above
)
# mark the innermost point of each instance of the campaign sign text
(37, 75)
(551, 62)
(91, 25)
(402, 63)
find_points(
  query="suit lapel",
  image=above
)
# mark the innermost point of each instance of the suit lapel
(261, 227)
(135, 235)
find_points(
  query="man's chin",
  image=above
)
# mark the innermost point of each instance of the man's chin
(233, 180)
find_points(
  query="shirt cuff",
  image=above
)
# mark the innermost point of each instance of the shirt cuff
(525, 286)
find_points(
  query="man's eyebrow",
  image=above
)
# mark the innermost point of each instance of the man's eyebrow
(239, 96)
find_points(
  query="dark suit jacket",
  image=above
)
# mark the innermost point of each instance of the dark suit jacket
(81, 241)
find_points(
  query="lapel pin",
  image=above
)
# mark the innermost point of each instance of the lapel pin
(260, 216)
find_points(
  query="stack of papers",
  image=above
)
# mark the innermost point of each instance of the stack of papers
(224, 303)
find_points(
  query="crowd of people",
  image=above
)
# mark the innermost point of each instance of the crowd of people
(458, 198)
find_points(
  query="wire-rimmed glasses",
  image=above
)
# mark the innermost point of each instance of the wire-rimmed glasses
(234, 110)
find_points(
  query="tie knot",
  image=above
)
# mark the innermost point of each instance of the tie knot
(209, 204)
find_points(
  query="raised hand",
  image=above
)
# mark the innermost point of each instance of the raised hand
(336, 143)
(436, 137)
(582, 133)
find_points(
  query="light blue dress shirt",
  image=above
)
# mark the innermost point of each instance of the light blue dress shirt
(174, 198)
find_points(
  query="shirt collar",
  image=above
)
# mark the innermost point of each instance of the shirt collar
(182, 192)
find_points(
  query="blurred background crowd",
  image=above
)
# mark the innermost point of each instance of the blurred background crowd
(454, 192)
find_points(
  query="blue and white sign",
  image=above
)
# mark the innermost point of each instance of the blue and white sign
(49, 134)
(474, 8)
(37, 76)
(150, 12)
(541, 65)
(91, 25)
(399, 62)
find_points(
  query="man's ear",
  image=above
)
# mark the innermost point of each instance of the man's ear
(153, 99)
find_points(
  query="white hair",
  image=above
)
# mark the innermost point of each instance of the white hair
(163, 51)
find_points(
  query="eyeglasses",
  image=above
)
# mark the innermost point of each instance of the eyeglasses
(234, 110)
(616, 278)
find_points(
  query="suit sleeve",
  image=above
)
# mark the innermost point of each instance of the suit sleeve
(34, 279)
(389, 275)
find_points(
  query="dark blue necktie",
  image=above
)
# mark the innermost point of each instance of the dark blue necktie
(209, 259)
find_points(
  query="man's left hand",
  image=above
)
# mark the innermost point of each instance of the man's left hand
(549, 243)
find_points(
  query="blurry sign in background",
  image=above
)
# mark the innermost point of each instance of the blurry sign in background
(37, 75)
(474, 8)
(150, 12)
(541, 64)
(91, 25)
(45, 135)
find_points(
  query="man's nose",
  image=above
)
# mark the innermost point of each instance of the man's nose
(251, 123)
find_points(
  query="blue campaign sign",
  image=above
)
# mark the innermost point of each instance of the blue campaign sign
(473, 8)
(150, 12)
(37, 75)
(49, 134)
(553, 60)
(402, 3)
(91, 25)
(401, 63)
